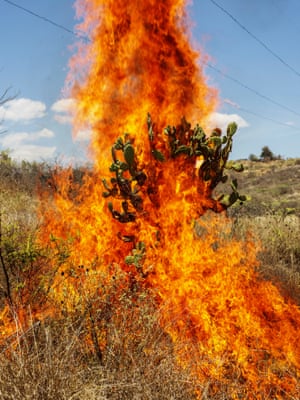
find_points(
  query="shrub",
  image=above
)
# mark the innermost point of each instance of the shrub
(253, 157)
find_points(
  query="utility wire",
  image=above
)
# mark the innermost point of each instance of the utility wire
(286, 125)
(251, 89)
(209, 65)
(50, 21)
(279, 58)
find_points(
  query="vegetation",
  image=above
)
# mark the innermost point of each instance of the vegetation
(49, 358)
(273, 187)
(265, 155)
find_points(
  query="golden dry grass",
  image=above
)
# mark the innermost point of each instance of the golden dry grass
(51, 360)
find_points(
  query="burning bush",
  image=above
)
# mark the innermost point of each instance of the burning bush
(145, 232)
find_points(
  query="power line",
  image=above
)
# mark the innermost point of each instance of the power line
(50, 21)
(209, 65)
(251, 89)
(279, 58)
(286, 125)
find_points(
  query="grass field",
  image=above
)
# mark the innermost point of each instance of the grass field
(116, 348)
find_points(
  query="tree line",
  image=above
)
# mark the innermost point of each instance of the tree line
(265, 155)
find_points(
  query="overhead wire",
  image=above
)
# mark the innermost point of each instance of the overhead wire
(45, 19)
(256, 92)
(285, 124)
(82, 36)
(263, 44)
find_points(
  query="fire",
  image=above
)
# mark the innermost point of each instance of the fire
(231, 323)
(145, 64)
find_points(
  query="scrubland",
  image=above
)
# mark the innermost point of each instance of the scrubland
(50, 358)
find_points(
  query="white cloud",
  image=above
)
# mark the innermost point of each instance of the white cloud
(63, 105)
(44, 133)
(22, 110)
(64, 109)
(17, 139)
(219, 120)
(231, 103)
(63, 119)
(83, 135)
(14, 139)
(21, 146)
(31, 152)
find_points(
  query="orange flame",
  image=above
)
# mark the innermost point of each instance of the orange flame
(139, 60)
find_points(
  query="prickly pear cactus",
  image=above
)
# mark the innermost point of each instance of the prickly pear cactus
(211, 153)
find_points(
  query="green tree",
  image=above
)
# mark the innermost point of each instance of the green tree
(267, 154)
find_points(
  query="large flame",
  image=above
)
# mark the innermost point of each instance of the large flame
(233, 324)
(139, 61)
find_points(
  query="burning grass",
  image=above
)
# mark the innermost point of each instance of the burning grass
(55, 357)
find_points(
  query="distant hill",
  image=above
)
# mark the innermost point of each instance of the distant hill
(274, 187)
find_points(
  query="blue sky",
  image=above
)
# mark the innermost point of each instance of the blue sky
(34, 63)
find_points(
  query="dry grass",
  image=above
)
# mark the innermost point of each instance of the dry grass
(42, 363)
(278, 236)
(273, 187)
(52, 360)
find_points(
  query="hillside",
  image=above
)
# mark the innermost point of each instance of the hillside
(274, 187)
(272, 217)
